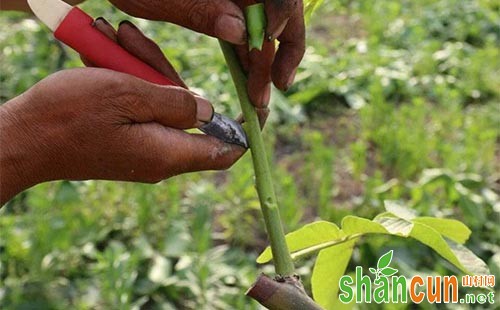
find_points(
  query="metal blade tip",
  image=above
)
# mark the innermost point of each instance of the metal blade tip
(226, 129)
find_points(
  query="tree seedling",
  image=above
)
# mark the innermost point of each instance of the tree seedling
(285, 291)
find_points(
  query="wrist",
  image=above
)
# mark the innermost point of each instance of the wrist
(19, 160)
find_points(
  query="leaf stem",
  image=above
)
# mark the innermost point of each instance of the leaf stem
(325, 245)
(282, 260)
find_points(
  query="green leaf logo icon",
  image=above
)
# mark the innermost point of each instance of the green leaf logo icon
(383, 269)
(388, 271)
(384, 260)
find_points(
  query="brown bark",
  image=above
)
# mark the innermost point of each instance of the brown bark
(281, 294)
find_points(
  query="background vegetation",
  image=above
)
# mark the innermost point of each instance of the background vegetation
(396, 101)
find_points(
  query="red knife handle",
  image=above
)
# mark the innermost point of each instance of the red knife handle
(77, 31)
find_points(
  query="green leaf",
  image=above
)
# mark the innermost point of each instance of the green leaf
(177, 240)
(395, 226)
(399, 210)
(462, 259)
(386, 187)
(67, 193)
(385, 260)
(388, 271)
(160, 269)
(469, 260)
(330, 266)
(357, 225)
(307, 239)
(494, 264)
(452, 229)
(309, 7)
(430, 176)
(372, 270)
(471, 180)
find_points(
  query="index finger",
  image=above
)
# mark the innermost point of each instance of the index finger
(105, 28)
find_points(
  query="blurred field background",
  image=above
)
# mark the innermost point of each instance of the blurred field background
(395, 100)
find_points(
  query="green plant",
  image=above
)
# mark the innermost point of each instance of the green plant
(335, 245)
(317, 175)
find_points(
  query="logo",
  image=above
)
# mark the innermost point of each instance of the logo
(388, 287)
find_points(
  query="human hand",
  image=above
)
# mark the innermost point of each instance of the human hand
(99, 124)
(224, 19)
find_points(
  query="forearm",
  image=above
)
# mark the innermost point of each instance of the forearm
(17, 161)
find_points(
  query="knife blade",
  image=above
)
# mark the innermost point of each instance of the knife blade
(226, 129)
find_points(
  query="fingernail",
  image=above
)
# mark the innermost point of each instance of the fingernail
(231, 29)
(290, 80)
(204, 110)
(277, 32)
(266, 95)
(100, 19)
(126, 22)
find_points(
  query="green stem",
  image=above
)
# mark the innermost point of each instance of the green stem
(317, 248)
(256, 24)
(282, 260)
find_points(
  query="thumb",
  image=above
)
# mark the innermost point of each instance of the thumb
(170, 106)
(197, 152)
(168, 152)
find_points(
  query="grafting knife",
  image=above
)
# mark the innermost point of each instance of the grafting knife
(75, 28)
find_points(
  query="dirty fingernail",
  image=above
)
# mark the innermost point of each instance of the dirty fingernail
(105, 28)
(100, 19)
(273, 35)
(128, 23)
(204, 110)
(231, 29)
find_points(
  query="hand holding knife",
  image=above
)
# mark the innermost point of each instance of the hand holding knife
(75, 28)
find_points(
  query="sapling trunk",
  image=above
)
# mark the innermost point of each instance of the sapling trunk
(263, 179)
(285, 295)
(256, 23)
(285, 291)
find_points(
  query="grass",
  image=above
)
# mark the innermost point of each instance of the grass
(402, 108)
